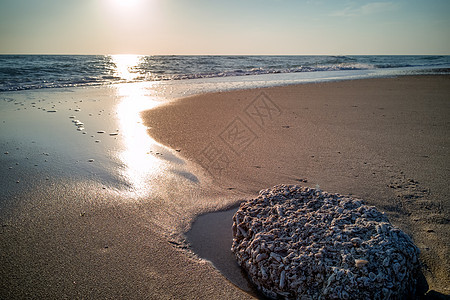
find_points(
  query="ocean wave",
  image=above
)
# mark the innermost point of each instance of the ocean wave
(20, 72)
(262, 71)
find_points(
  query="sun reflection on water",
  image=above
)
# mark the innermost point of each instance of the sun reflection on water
(140, 166)
(124, 65)
(148, 167)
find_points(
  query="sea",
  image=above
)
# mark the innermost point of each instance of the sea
(24, 72)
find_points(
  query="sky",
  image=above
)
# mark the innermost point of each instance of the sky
(290, 27)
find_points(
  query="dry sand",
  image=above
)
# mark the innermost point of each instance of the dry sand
(383, 140)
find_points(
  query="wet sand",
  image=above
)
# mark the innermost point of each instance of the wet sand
(383, 140)
(90, 215)
(113, 227)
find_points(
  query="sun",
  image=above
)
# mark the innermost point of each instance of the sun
(126, 3)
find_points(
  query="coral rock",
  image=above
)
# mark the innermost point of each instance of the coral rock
(302, 243)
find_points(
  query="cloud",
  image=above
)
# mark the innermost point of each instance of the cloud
(364, 10)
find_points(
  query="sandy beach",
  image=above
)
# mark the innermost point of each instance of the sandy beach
(133, 133)
(103, 216)
(383, 140)
(98, 213)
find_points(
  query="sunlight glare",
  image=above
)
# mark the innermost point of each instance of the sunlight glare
(139, 164)
(126, 3)
(125, 64)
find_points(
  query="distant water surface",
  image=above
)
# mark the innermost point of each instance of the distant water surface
(19, 72)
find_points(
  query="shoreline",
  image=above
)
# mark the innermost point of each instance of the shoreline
(381, 140)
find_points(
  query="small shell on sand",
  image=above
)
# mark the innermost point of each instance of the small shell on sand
(114, 133)
(101, 131)
(359, 263)
(91, 160)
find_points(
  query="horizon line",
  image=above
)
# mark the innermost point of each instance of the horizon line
(138, 54)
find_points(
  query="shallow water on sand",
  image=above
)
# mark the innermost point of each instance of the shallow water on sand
(89, 134)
